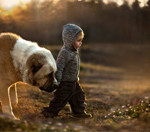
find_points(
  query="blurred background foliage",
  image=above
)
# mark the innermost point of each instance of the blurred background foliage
(102, 23)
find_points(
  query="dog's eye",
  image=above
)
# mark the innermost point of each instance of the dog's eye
(35, 68)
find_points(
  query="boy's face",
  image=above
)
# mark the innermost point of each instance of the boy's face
(78, 41)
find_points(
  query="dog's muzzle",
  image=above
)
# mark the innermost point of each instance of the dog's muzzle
(50, 85)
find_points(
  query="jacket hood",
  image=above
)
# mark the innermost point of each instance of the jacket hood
(69, 34)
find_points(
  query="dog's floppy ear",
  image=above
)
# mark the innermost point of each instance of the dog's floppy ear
(34, 63)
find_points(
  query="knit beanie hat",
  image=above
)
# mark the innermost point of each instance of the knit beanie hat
(69, 34)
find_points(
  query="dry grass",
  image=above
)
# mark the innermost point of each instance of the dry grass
(112, 76)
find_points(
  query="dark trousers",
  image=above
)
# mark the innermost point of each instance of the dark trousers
(68, 92)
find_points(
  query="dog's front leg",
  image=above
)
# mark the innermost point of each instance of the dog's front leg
(13, 95)
(6, 104)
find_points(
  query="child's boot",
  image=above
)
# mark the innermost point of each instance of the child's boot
(47, 113)
(82, 115)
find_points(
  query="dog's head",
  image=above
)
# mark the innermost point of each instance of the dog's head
(41, 68)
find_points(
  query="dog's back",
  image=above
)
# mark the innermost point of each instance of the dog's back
(7, 38)
(7, 42)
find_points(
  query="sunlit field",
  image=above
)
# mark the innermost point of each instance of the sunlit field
(115, 79)
(115, 62)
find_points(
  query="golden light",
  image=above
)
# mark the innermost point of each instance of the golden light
(9, 4)
(120, 2)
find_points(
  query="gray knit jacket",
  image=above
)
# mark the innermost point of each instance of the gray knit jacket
(68, 62)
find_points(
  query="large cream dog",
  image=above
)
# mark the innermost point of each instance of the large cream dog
(22, 60)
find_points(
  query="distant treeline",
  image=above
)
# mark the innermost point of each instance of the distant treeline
(105, 23)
